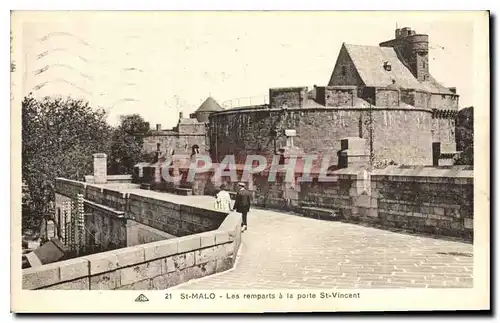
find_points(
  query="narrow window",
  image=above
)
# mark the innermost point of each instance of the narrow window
(344, 71)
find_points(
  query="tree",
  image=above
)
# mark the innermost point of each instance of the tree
(59, 137)
(127, 142)
(464, 134)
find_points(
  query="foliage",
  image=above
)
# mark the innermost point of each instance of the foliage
(127, 142)
(59, 137)
(150, 157)
(466, 157)
(464, 133)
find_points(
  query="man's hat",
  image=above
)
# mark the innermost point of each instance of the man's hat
(241, 184)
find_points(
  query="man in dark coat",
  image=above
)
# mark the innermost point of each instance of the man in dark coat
(242, 204)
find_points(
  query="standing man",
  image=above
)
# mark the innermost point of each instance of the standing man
(242, 204)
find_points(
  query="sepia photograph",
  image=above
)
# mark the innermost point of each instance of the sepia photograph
(320, 160)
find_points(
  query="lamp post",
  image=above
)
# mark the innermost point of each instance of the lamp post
(370, 166)
(370, 134)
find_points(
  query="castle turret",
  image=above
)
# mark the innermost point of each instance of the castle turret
(412, 49)
(208, 107)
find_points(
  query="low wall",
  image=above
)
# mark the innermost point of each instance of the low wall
(437, 200)
(111, 179)
(194, 241)
(176, 219)
(153, 209)
(138, 233)
(108, 229)
(157, 265)
(105, 227)
(431, 201)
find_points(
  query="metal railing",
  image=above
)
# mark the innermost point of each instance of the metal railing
(245, 101)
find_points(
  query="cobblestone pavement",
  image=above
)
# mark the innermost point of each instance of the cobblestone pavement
(281, 250)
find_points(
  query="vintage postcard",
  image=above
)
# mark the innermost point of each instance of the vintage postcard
(250, 161)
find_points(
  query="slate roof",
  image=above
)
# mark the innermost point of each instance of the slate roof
(188, 121)
(209, 105)
(369, 62)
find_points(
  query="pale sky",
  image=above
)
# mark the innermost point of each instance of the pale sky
(146, 62)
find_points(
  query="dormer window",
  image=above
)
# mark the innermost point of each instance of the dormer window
(387, 66)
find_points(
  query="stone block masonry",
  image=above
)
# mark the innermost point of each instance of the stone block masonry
(437, 201)
(434, 200)
(392, 132)
(156, 265)
(290, 97)
(175, 219)
(112, 209)
(100, 171)
(426, 202)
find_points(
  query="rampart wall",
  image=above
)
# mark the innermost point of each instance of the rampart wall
(431, 200)
(400, 135)
(193, 242)
(156, 265)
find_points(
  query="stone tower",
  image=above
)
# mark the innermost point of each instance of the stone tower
(413, 50)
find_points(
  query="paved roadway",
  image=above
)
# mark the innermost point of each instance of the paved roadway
(287, 251)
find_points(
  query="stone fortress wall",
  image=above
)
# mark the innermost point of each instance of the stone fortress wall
(420, 199)
(152, 240)
(400, 134)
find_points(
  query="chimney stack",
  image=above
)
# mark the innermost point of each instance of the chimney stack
(180, 115)
(100, 168)
(158, 127)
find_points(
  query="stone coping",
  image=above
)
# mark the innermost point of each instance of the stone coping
(113, 177)
(452, 174)
(318, 107)
(87, 266)
(83, 184)
(105, 208)
(197, 203)
(124, 190)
